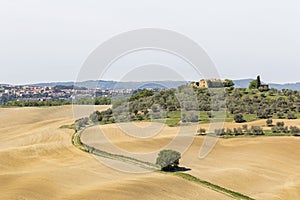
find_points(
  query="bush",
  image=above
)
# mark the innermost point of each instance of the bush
(209, 114)
(280, 124)
(269, 122)
(190, 117)
(228, 131)
(220, 132)
(263, 114)
(238, 131)
(202, 131)
(285, 129)
(257, 130)
(80, 123)
(280, 115)
(275, 129)
(239, 118)
(291, 115)
(294, 130)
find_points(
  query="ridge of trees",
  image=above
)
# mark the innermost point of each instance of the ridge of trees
(239, 103)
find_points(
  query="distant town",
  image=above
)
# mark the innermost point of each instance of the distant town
(25, 93)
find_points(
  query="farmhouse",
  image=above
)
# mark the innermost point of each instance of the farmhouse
(264, 86)
(205, 83)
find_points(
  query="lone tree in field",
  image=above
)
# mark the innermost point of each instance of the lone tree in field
(168, 159)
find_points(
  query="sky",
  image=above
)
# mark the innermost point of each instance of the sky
(49, 40)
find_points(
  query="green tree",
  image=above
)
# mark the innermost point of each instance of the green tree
(280, 115)
(239, 118)
(258, 82)
(269, 122)
(291, 115)
(280, 124)
(294, 130)
(168, 159)
(257, 130)
(228, 83)
(253, 84)
(202, 131)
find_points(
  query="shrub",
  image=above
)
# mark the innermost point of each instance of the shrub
(239, 118)
(280, 115)
(245, 128)
(285, 129)
(220, 132)
(275, 129)
(238, 131)
(202, 131)
(294, 130)
(257, 130)
(81, 123)
(280, 124)
(269, 122)
(291, 115)
(263, 114)
(228, 131)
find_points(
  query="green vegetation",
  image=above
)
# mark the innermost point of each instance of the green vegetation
(243, 105)
(277, 130)
(168, 160)
(239, 118)
(141, 94)
(35, 103)
(269, 122)
(253, 85)
(264, 104)
(72, 126)
(94, 101)
(82, 101)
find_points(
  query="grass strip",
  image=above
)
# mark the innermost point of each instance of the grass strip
(207, 184)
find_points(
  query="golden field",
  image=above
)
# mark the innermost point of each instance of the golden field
(38, 161)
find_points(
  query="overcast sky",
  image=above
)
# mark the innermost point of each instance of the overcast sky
(48, 40)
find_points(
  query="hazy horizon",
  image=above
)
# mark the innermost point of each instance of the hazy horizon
(32, 83)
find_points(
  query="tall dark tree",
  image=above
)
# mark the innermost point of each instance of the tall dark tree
(258, 82)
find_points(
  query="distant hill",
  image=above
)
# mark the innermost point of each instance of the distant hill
(109, 85)
(291, 86)
(244, 83)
